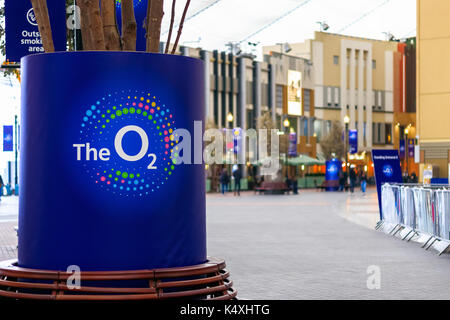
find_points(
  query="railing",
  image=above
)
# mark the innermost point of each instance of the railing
(421, 209)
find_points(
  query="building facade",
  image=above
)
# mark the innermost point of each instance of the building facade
(355, 78)
(240, 89)
(433, 85)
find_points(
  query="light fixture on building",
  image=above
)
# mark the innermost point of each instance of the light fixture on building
(286, 123)
(406, 131)
(347, 119)
(230, 117)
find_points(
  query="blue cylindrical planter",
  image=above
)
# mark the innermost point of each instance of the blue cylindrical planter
(98, 187)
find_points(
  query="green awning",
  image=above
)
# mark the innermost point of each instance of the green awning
(304, 160)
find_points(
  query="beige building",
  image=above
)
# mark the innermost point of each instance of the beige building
(433, 84)
(353, 77)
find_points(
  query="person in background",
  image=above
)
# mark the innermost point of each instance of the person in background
(414, 178)
(352, 180)
(237, 175)
(224, 180)
(363, 181)
(341, 180)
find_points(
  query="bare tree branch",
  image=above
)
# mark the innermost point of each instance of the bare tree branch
(172, 18)
(180, 28)
(110, 31)
(41, 11)
(129, 26)
(154, 25)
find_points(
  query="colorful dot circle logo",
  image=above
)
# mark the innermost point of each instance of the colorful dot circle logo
(126, 141)
(388, 171)
(136, 3)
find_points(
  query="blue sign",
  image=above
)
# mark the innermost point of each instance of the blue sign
(353, 141)
(292, 151)
(22, 32)
(115, 198)
(140, 14)
(8, 138)
(387, 169)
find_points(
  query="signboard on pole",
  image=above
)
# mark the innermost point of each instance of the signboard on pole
(387, 169)
(22, 32)
(8, 138)
(353, 141)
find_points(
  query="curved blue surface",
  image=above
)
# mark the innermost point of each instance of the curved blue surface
(72, 211)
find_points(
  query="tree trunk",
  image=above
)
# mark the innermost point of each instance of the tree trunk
(172, 18)
(180, 28)
(154, 25)
(129, 26)
(111, 34)
(96, 24)
(41, 11)
(86, 34)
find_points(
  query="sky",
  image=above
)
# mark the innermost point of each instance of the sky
(236, 20)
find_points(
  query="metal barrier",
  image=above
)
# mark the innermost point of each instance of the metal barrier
(418, 210)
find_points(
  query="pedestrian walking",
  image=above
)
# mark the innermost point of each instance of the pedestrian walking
(352, 180)
(363, 182)
(224, 181)
(237, 175)
(341, 180)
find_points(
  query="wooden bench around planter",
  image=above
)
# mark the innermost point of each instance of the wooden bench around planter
(209, 281)
(273, 187)
(331, 184)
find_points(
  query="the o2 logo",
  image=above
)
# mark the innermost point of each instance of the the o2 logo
(126, 142)
(388, 171)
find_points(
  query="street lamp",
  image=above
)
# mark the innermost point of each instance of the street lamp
(286, 123)
(230, 117)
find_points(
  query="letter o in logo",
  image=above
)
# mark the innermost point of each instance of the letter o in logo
(118, 143)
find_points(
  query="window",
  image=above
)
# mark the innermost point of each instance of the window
(318, 129)
(374, 64)
(336, 97)
(388, 131)
(336, 60)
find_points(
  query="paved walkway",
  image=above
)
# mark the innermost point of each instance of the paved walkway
(306, 247)
(315, 245)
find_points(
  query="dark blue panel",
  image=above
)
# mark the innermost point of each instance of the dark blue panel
(8, 144)
(115, 214)
(387, 169)
(22, 32)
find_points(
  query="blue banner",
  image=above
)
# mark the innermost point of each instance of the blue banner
(292, 151)
(387, 169)
(353, 141)
(8, 144)
(22, 32)
(237, 138)
(140, 13)
(411, 148)
(115, 197)
(402, 148)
